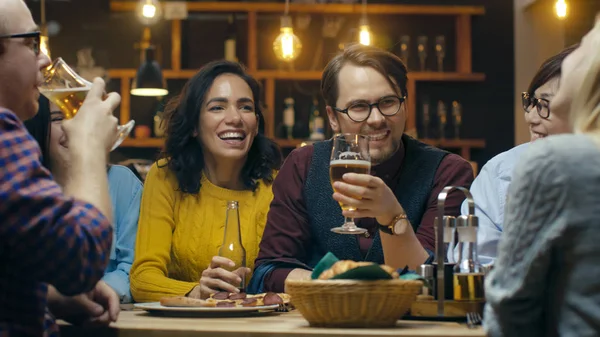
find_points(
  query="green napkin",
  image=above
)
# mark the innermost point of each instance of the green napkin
(365, 273)
(411, 276)
(326, 262)
(371, 272)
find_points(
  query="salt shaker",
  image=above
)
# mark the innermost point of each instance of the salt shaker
(426, 271)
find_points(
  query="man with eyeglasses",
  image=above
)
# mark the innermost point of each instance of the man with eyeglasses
(490, 188)
(49, 236)
(365, 90)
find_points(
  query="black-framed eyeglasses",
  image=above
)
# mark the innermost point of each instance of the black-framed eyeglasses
(361, 110)
(541, 105)
(35, 36)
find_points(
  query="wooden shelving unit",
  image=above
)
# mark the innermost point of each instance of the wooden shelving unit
(464, 145)
(463, 72)
(274, 7)
(144, 142)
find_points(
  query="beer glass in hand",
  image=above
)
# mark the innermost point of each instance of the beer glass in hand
(65, 88)
(350, 154)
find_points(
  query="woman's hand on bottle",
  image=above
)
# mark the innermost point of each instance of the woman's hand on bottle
(217, 278)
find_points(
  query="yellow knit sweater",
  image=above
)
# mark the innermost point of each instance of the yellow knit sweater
(178, 234)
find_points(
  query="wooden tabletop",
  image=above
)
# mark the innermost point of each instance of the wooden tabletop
(140, 323)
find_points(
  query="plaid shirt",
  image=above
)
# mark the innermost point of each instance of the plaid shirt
(45, 237)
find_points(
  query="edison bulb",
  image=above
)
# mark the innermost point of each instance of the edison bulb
(148, 11)
(364, 36)
(44, 47)
(561, 8)
(287, 46)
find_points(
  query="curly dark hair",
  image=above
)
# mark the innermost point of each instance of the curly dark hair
(183, 151)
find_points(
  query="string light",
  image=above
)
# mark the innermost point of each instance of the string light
(287, 46)
(364, 36)
(149, 11)
(44, 44)
(561, 9)
(364, 33)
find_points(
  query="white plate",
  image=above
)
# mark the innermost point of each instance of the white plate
(156, 306)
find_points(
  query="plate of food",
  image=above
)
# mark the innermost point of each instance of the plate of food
(219, 303)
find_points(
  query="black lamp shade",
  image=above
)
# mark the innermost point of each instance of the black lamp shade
(149, 80)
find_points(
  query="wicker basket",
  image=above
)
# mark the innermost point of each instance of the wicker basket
(350, 303)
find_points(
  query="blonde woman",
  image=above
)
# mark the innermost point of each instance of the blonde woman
(547, 276)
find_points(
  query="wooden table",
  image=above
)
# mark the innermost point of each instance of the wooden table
(139, 323)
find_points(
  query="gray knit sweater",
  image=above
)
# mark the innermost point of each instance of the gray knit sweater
(546, 280)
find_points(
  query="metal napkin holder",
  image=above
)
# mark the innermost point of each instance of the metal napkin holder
(440, 255)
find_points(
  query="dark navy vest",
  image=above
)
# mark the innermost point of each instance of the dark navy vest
(413, 192)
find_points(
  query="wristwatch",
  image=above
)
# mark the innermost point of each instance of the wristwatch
(396, 224)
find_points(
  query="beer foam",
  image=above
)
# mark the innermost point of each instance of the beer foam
(350, 162)
(65, 89)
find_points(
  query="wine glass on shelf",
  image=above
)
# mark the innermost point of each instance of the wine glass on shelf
(350, 154)
(67, 89)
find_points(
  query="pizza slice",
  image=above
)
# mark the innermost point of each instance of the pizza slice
(182, 301)
(228, 300)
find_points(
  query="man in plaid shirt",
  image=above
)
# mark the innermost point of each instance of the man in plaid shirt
(49, 236)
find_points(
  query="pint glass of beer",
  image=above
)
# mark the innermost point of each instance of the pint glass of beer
(65, 88)
(350, 154)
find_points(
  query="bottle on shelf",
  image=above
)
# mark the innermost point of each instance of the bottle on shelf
(230, 42)
(456, 118)
(442, 116)
(316, 122)
(426, 118)
(289, 116)
(232, 247)
(159, 124)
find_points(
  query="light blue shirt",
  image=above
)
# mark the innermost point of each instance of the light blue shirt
(489, 190)
(125, 193)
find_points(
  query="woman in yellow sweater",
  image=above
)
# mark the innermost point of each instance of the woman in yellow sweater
(215, 151)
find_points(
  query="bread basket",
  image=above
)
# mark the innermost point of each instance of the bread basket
(353, 303)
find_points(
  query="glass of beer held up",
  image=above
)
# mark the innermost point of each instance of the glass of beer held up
(65, 88)
(350, 154)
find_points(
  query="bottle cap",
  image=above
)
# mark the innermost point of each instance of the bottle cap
(425, 270)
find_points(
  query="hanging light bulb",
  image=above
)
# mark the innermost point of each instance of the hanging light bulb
(561, 8)
(148, 11)
(287, 46)
(44, 47)
(364, 35)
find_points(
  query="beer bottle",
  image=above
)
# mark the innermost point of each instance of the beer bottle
(232, 247)
(230, 42)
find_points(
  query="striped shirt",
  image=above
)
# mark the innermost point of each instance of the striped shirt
(45, 237)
